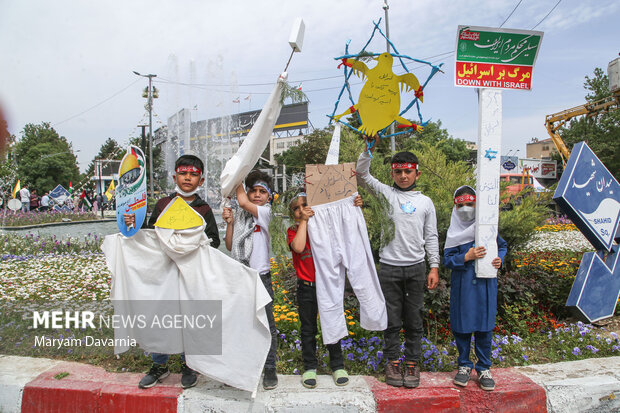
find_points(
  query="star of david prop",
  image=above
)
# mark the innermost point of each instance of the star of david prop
(378, 105)
(589, 195)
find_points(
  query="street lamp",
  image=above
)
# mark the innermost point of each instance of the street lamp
(149, 94)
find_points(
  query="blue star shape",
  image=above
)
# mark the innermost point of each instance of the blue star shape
(490, 154)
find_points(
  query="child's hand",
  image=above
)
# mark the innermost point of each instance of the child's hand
(130, 220)
(497, 262)
(358, 201)
(475, 253)
(306, 213)
(227, 215)
(371, 140)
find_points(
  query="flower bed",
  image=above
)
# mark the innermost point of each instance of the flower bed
(10, 218)
(528, 331)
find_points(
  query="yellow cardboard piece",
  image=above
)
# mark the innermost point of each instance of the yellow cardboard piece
(379, 101)
(179, 215)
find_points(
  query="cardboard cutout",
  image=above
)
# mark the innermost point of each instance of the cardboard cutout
(131, 190)
(329, 183)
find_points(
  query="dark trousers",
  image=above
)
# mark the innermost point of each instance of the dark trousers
(308, 310)
(482, 347)
(160, 358)
(271, 356)
(403, 289)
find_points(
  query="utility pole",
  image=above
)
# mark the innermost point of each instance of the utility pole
(150, 94)
(387, 46)
(143, 146)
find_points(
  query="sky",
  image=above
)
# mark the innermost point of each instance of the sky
(71, 63)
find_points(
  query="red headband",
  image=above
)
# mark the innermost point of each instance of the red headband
(405, 165)
(464, 198)
(188, 168)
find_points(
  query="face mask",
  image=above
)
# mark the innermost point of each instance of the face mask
(466, 213)
(183, 193)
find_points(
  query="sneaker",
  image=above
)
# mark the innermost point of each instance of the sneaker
(158, 372)
(486, 380)
(308, 379)
(412, 375)
(341, 377)
(189, 377)
(393, 375)
(462, 377)
(270, 379)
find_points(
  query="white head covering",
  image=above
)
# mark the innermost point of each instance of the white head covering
(460, 232)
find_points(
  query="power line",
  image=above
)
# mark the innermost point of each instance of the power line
(543, 19)
(98, 104)
(513, 10)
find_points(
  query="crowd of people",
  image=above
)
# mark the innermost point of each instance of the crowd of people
(41, 201)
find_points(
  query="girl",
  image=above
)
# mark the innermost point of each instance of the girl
(473, 300)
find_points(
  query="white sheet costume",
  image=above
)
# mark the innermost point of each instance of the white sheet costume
(169, 264)
(339, 241)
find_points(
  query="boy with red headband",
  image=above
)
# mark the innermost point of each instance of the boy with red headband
(473, 300)
(247, 237)
(188, 178)
(402, 274)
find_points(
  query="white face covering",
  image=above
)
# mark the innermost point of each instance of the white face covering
(466, 213)
(183, 193)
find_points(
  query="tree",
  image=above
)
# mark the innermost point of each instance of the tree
(601, 132)
(44, 158)
(109, 150)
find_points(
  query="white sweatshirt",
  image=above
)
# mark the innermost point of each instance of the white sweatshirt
(415, 222)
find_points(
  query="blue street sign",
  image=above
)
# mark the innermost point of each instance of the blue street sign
(590, 195)
(596, 287)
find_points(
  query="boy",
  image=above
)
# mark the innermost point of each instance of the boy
(402, 271)
(188, 178)
(306, 295)
(247, 236)
(473, 300)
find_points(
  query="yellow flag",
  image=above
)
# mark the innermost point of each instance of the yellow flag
(109, 193)
(179, 215)
(16, 189)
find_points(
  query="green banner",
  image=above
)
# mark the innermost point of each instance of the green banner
(502, 46)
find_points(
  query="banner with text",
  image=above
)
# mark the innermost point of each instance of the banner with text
(495, 58)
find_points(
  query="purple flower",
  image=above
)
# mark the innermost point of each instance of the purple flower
(525, 357)
(576, 351)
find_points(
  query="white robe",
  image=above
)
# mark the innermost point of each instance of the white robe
(179, 265)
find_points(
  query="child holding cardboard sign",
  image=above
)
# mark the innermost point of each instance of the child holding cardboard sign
(306, 294)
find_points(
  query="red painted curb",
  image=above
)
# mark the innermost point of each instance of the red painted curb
(513, 392)
(91, 389)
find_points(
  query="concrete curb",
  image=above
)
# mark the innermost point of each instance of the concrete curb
(30, 385)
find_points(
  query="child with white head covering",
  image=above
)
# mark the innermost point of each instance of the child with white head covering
(473, 300)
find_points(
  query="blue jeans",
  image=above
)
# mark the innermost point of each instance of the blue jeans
(159, 358)
(482, 347)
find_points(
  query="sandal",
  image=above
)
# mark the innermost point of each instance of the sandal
(341, 377)
(308, 379)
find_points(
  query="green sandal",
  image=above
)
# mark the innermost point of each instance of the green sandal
(308, 379)
(341, 378)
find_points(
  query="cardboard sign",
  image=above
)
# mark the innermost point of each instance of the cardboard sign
(329, 183)
(131, 190)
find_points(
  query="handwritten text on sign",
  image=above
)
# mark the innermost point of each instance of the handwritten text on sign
(329, 183)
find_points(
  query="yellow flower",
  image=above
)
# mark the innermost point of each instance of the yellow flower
(294, 319)
(350, 317)
(284, 292)
(351, 323)
(351, 333)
